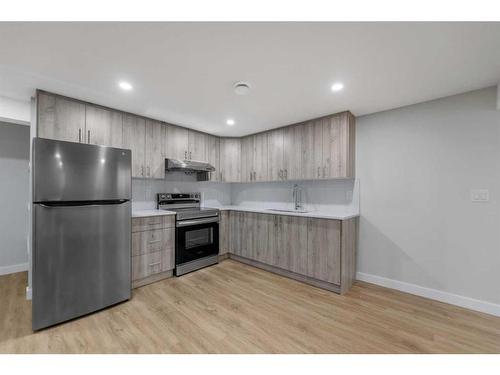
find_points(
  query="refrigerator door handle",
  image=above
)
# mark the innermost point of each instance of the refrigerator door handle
(80, 204)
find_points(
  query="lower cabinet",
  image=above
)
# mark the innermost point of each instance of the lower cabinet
(153, 249)
(224, 232)
(310, 249)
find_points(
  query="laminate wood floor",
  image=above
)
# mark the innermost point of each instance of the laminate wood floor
(235, 308)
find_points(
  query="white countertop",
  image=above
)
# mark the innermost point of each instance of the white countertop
(151, 212)
(334, 214)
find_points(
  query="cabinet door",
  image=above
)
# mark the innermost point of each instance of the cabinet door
(230, 162)
(261, 237)
(60, 118)
(224, 232)
(247, 159)
(247, 234)
(312, 157)
(155, 145)
(176, 146)
(338, 146)
(134, 136)
(294, 237)
(197, 145)
(275, 155)
(103, 127)
(274, 254)
(323, 250)
(236, 232)
(293, 149)
(213, 156)
(260, 157)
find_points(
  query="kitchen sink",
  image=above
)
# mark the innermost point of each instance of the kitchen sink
(284, 210)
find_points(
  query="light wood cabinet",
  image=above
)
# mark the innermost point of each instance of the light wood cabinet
(60, 118)
(319, 251)
(153, 249)
(293, 152)
(224, 232)
(103, 127)
(276, 166)
(154, 156)
(213, 156)
(321, 148)
(230, 160)
(176, 146)
(254, 158)
(197, 145)
(323, 250)
(134, 138)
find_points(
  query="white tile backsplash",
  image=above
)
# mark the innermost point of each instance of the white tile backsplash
(317, 195)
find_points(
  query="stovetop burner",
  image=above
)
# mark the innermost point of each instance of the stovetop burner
(186, 205)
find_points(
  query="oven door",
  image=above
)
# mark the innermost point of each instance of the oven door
(196, 238)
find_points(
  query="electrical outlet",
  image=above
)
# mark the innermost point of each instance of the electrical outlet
(479, 195)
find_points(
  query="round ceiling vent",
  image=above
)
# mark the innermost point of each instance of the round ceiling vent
(241, 88)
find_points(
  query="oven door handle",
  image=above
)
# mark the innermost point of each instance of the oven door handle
(186, 223)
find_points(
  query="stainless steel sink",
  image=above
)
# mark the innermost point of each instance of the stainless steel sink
(284, 210)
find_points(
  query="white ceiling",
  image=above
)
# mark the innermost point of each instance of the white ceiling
(183, 73)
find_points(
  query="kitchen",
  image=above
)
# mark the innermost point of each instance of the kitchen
(328, 222)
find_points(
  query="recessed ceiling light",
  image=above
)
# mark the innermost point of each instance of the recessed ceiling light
(125, 86)
(337, 86)
(241, 88)
(230, 122)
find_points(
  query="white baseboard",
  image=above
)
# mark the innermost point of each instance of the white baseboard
(5, 270)
(438, 295)
(28, 293)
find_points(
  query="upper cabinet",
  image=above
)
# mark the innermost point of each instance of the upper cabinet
(317, 149)
(322, 148)
(254, 158)
(230, 160)
(60, 118)
(134, 138)
(103, 126)
(154, 154)
(213, 156)
(197, 146)
(176, 146)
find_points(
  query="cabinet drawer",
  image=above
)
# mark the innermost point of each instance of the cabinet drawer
(149, 264)
(152, 222)
(151, 241)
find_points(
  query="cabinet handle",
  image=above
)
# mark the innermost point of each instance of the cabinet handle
(154, 264)
(88, 137)
(155, 223)
(286, 174)
(142, 170)
(156, 241)
(190, 157)
(324, 171)
(250, 176)
(80, 135)
(319, 173)
(220, 176)
(255, 176)
(148, 171)
(185, 155)
(280, 174)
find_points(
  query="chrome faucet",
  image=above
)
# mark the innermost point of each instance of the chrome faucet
(297, 197)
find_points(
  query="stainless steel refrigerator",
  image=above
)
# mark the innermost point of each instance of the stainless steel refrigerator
(81, 229)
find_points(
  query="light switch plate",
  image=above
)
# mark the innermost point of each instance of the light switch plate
(479, 195)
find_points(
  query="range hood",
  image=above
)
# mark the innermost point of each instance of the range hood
(188, 166)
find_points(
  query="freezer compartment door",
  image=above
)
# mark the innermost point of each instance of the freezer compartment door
(67, 171)
(81, 260)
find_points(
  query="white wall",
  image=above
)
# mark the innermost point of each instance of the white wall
(14, 197)
(325, 195)
(144, 190)
(418, 226)
(15, 111)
